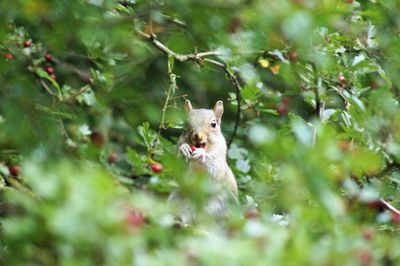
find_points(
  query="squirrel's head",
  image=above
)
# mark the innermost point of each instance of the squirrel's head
(204, 124)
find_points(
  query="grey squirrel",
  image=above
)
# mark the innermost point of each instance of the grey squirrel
(204, 146)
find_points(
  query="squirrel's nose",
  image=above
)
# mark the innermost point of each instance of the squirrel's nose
(198, 137)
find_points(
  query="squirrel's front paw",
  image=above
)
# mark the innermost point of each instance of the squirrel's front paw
(199, 154)
(185, 150)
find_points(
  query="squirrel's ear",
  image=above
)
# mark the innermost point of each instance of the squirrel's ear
(219, 110)
(188, 106)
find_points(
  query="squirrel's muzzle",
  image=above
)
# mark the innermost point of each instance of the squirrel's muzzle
(199, 139)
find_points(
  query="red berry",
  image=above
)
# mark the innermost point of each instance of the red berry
(282, 109)
(50, 70)
(395, 218)
(252, 214)
(8, 56)
(349, 1)
(193, 147)
(368, 234)
(97, 139)
(365, 257)
(293, 56)
(27, 43)
(53, 77)
(135, 219)
(376, 205)
(344, 145)
(112, 157)
(286, 100)
(14, 170)
(156, 168)
(48, 57)
(342, 78)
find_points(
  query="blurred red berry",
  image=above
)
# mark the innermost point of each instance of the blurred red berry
(395, 218)
(282, 109)
(193, 147)
(8, 56)
(53, 77)
(368, 234)
(27, 43)
(135, 219)
(50, 70)
(341, 78)
(365, 257)
(344, 145)
(156, 168)
(97, 139)
(252, 214)
(235, 25)
(14, 170)
(376, 205)
(48, 57)
(349, 1)
(112, 157)
(293, 56)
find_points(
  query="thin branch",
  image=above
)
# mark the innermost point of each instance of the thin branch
(85, 76)
(47, 88)
(197, 57)
(76, 94)
(175, 21)
(171, 90)
(389, 207)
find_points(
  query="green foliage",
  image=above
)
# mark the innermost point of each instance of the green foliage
(91, 99)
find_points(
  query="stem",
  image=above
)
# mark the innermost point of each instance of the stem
(171, 90)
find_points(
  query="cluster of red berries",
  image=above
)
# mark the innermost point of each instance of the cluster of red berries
(49, 69)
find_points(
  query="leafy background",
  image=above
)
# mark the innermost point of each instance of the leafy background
(91, 109)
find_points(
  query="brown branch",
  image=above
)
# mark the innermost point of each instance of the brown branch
(85, 76)
(197, 57)
(76, 94)
(47, 88)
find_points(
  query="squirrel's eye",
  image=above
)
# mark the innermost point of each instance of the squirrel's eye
(213, 124)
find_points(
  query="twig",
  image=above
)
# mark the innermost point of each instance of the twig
(197, 57)
(47, 88)
(85, 76)
(234, 79)
(171, 89)
(174, 21)
(389, 207)
(76, 94)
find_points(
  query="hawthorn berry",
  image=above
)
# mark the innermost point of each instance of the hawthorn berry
(193, 147)
(368, 234)
(112, 157)
(8, 56)
(48, 57)
(341, 78)
(156, 167)
(293, 56)
(14, 170)
(97, 139)
(135, 219)
(252, 214)
(395, 218)
(50, 70)
(53, 77)
(27, 43)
